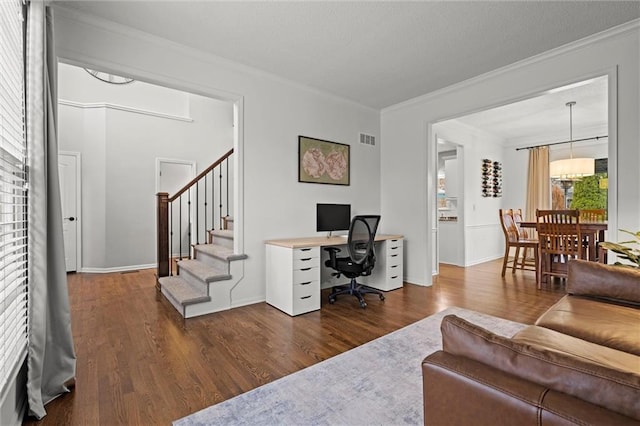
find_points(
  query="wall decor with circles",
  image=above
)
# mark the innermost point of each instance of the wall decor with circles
(491, 178)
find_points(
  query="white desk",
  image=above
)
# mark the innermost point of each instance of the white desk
(296, 272)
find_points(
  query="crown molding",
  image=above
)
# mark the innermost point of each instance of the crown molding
(117, 107)
(610, 33)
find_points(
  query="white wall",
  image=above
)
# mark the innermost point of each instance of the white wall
(404, 130)
(275, 113)
(119, 150)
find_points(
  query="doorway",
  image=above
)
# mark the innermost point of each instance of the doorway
(70, 196)
(501, 133)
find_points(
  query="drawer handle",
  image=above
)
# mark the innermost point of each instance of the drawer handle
(305, 249)
(305, 269)
(306, 259)
(394, 266)
(305, 297)
(394, 277)
(394, 255)
(307, 283)
(395, 241)
(394, 248)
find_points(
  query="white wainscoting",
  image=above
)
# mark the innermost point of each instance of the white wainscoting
(483, 243)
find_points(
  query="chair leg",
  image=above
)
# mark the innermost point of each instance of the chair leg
(536, 262)
(539, 268)
(506, 259)
(515, 260)
(355, 289)
(524, 257)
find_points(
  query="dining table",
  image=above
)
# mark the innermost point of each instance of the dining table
(592, 233)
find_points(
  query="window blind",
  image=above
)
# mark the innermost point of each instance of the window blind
(13, 193)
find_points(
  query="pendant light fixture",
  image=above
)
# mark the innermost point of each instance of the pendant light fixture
(571, 168)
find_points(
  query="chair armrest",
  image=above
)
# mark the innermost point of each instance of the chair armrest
(332, 256)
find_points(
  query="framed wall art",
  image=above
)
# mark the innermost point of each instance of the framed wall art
(321, 161)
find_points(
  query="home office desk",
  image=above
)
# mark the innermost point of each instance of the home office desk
(295, 271)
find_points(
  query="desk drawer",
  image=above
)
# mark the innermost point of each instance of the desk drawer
(394, 247)
(394, 281)
(305, 263)
(394, 258)
(306, 297)
(306, 275)
(306, 252)
(393, 270)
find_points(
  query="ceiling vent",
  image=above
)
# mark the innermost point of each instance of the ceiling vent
(367, 139)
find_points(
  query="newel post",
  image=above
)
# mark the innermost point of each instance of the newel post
(162, 222)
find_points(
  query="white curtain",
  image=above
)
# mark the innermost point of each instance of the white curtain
(538, 183)
(51, 360)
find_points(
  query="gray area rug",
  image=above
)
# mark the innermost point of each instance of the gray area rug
(378, 383)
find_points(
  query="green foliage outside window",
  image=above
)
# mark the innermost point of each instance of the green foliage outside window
(587, 193)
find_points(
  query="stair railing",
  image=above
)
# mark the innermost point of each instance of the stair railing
(196, 200)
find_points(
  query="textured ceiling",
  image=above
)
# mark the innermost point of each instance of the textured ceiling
(374, 53)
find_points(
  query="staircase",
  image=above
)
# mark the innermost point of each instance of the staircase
(202, 283)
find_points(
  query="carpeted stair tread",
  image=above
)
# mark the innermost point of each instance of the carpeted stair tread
(223, 233)
(183, 292)
(216, 250)
(202, 271)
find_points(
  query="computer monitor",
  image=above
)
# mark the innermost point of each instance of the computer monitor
(333, 217)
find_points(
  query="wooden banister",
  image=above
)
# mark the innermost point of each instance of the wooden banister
(162, 222)
(165, 221)
(200, 176)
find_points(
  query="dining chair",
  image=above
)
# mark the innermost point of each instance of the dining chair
(560, 241)
(590, 239)
(593, 215)
(513, 239)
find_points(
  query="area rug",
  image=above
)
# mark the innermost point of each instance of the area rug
(378, 383)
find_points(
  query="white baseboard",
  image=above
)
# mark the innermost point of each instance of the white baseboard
(90, 270)
(483, 260)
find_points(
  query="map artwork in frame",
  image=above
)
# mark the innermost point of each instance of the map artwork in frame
(322, 161)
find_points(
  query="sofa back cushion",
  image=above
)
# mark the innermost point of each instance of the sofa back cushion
(613, 389)
(605, 281)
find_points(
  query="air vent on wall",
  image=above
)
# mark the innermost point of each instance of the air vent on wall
(367, 139)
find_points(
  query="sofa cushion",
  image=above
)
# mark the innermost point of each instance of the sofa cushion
(606, 281)
(553, 340)
(606, 324)
(610, 388)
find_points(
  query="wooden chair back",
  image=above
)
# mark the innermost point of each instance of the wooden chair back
(517, 218)
(593, 215)
(509, 228)
(559, 232)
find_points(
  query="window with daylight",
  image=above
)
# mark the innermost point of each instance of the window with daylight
(13, 193)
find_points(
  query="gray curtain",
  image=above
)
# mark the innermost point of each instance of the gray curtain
(51, 361)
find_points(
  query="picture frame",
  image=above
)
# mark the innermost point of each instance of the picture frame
(324, 162)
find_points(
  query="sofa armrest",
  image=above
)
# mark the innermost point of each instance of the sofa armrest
(461, 391)
(604, 281)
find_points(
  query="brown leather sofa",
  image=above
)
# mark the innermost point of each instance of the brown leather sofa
(579, 364)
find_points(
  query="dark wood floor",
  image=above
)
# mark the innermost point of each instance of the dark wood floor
(140, 363)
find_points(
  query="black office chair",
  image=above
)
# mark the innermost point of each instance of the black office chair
(361, 260)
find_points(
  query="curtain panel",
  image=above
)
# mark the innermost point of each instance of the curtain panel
(538, 182)
(51, 357)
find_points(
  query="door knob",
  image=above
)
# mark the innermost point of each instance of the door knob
(71, 219)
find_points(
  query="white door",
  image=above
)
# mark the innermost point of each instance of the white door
(68, 168)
